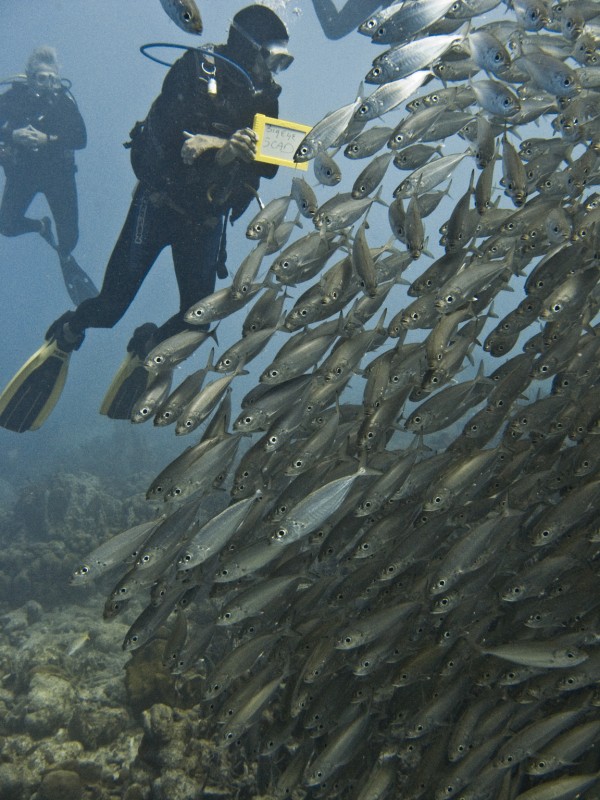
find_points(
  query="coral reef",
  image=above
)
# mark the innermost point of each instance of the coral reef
(53, 522)
(80, 719)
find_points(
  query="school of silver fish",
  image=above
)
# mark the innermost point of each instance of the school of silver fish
(387, 572)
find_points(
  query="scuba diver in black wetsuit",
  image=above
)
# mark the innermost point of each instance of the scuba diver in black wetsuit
(40, 127)
(194, 158)
(336, 24)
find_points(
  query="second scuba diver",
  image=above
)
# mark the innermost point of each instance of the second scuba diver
(40, 128)
(194, 158)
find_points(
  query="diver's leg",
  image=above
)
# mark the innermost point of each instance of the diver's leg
(139, 243)
(336, 24)
(19, 190)
(61, 194)
(196, 253)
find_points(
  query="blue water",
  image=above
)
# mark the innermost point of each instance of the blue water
(98, 47)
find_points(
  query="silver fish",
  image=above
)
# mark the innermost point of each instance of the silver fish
(325, 132)
(326, 170)
(184, 14)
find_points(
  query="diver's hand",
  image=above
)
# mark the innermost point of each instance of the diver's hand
(240, 145)
(198, 143)
(30, 137)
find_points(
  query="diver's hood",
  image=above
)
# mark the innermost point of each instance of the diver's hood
(274, 53)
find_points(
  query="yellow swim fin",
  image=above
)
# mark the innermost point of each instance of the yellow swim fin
(127, 386)
(31, 395)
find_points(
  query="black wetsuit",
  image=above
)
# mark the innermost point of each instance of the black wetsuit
(179, 205)
(49, 170)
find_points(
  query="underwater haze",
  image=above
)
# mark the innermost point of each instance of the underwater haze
(114, 85)
(369, 571)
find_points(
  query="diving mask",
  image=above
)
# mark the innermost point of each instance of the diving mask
(45, 80)
(275, 54)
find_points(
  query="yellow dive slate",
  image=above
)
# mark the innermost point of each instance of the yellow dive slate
(278, 140)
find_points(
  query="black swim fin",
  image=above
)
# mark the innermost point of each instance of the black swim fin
(128, 385)
(34, 391)
(79, 284)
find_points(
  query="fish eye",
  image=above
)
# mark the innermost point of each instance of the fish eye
(449, 298)
(557, 307)
(187, 16)
(198, 312)
(415, 315)
(376, 72)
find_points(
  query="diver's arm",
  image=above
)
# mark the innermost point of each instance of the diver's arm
(70, 133)
(198, 143)
(240, 145)
(336, 23)
(7, 100)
